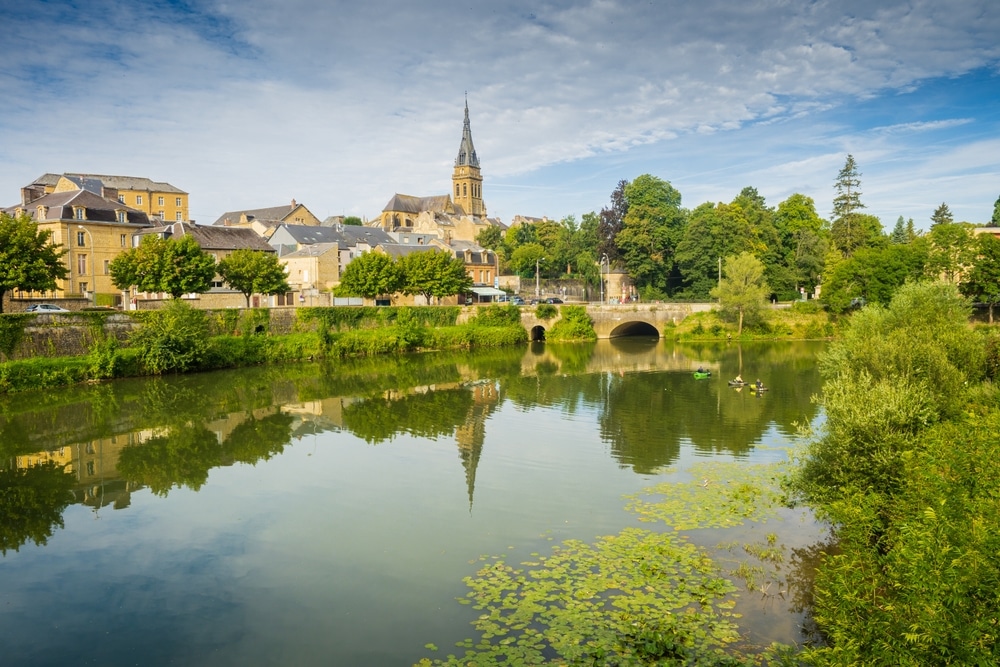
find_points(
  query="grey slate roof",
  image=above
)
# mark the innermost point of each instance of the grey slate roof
(348, 235)
(401, 249)
(210, 237)
(315, 250)
(414, 205)
(60, 207)
(116, 182)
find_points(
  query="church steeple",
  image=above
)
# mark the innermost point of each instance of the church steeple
(467, 178)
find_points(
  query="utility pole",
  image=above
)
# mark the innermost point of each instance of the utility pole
(537, 291)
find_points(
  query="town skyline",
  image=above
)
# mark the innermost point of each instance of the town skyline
(341, 106)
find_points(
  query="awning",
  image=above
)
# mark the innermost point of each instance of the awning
(487, 291)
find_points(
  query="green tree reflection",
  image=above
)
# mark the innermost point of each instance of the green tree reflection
(32, 501)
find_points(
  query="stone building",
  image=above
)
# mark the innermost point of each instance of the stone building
(154, 198)
(265, 220)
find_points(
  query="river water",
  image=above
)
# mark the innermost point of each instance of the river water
(327, 514)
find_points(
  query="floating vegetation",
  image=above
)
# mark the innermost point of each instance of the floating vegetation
(720, 495)
(640, 597)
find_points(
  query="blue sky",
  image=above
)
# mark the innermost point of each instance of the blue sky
(250, 103)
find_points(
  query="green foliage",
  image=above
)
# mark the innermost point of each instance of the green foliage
(713, 231)
(874, 274)
(254, 272)
(575, 325)
(175, 265)
(12, 331)
(173, 339)
(28, 259)
(498, 316)
(371, 275)
(42, 373)
(742, 291)
(982, 281)
(952, 248)
(546, 311)
(434, 273)
(32, 501)
(651, 230)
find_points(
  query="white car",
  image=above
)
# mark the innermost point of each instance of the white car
(45, 308)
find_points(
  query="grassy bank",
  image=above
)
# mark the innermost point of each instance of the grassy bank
(181, 339)
(804, 320)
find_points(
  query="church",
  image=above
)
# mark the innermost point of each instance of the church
(457, 216)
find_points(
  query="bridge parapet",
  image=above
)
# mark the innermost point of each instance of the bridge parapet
(613, 320)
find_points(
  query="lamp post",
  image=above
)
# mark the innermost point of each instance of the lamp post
(604, 258)
(537, 291)
(93, 269)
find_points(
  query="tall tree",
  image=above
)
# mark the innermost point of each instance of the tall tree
(371, 275)
(612, 218)
(899, 234)
(982, 282)
(804, 239)
(995, 220)
(846, 205)
(942, 215)
(951, 250)
(651, 230)
(742, 291)
(713, 231)
(434, 273)
(254, 272)
(28, 259)
(175, 265)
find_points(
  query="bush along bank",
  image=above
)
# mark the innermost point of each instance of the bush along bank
(180, 339)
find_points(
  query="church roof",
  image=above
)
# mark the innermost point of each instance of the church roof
(466, 151)
(411, 204)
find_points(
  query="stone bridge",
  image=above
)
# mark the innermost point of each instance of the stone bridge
(626, 319)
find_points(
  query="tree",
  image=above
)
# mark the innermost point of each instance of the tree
(982, 282)
(177, 266)
(742, 290)
(713, 231)
(651, 230)
(611, 220)
(899, 234)
(253, 272)
(846, 204)
(951, 249)
(995, 220)
(873, 274)
(28, 260)
(804, 239)
(942, 215)
(353, 220)
(371, 275)
(434, 273)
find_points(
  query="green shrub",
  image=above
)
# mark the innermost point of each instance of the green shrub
(574, 325)
(546, 311)
(497, 316)
(806, 307)
(42, 373)
(12, 330)
(174, 339)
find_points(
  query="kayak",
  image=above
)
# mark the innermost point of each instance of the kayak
(701, 375)
(734, 383)
(755, 388)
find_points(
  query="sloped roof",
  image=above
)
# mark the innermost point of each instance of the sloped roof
(99, 209)
(116, 182)
(410, 204)
(315, 250)
(349, 235)
(210, 237)
(270, 214)
(403, 249)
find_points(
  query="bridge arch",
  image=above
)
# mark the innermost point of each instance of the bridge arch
(536, 333)
(634, 328)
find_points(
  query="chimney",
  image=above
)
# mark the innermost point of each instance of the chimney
(293, 203)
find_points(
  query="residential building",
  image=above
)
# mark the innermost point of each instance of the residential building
(155, 199)
(265, 220)
(93, 229)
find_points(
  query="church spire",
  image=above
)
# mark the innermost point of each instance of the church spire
(466, 151)
(467, 179)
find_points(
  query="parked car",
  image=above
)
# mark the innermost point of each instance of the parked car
(503, 298)
(516, 300)
(553, 299)
(45, 308)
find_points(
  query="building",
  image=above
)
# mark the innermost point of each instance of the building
(155, 199)
(265, 220)
(94, 229)
(458, 216)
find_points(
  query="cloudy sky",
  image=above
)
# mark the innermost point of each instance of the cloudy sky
(250, 103)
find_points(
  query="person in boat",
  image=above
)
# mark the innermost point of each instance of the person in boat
(739, 378)
(701, 369)
(760, 385)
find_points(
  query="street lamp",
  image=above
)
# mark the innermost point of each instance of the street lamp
(604, 258)
(537, 291)
(93, 259)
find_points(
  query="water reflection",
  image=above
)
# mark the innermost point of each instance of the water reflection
(166, 433)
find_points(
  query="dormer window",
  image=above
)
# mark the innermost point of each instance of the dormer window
(79, 213)
(122, 216)
(41, 213)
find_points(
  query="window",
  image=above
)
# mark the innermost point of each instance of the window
(91, 470)
(465, 190)
(456, 189)
(81, 268)
(83, 289)
(121, 199)
(78, 212)
(107, 267)
(177, 202)
(138, 200)
(160, 213)
(81, 241)
(122, 217)
(123, 238)
(159, 201)
(179, 216)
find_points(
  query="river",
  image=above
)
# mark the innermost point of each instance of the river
(327, 514)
